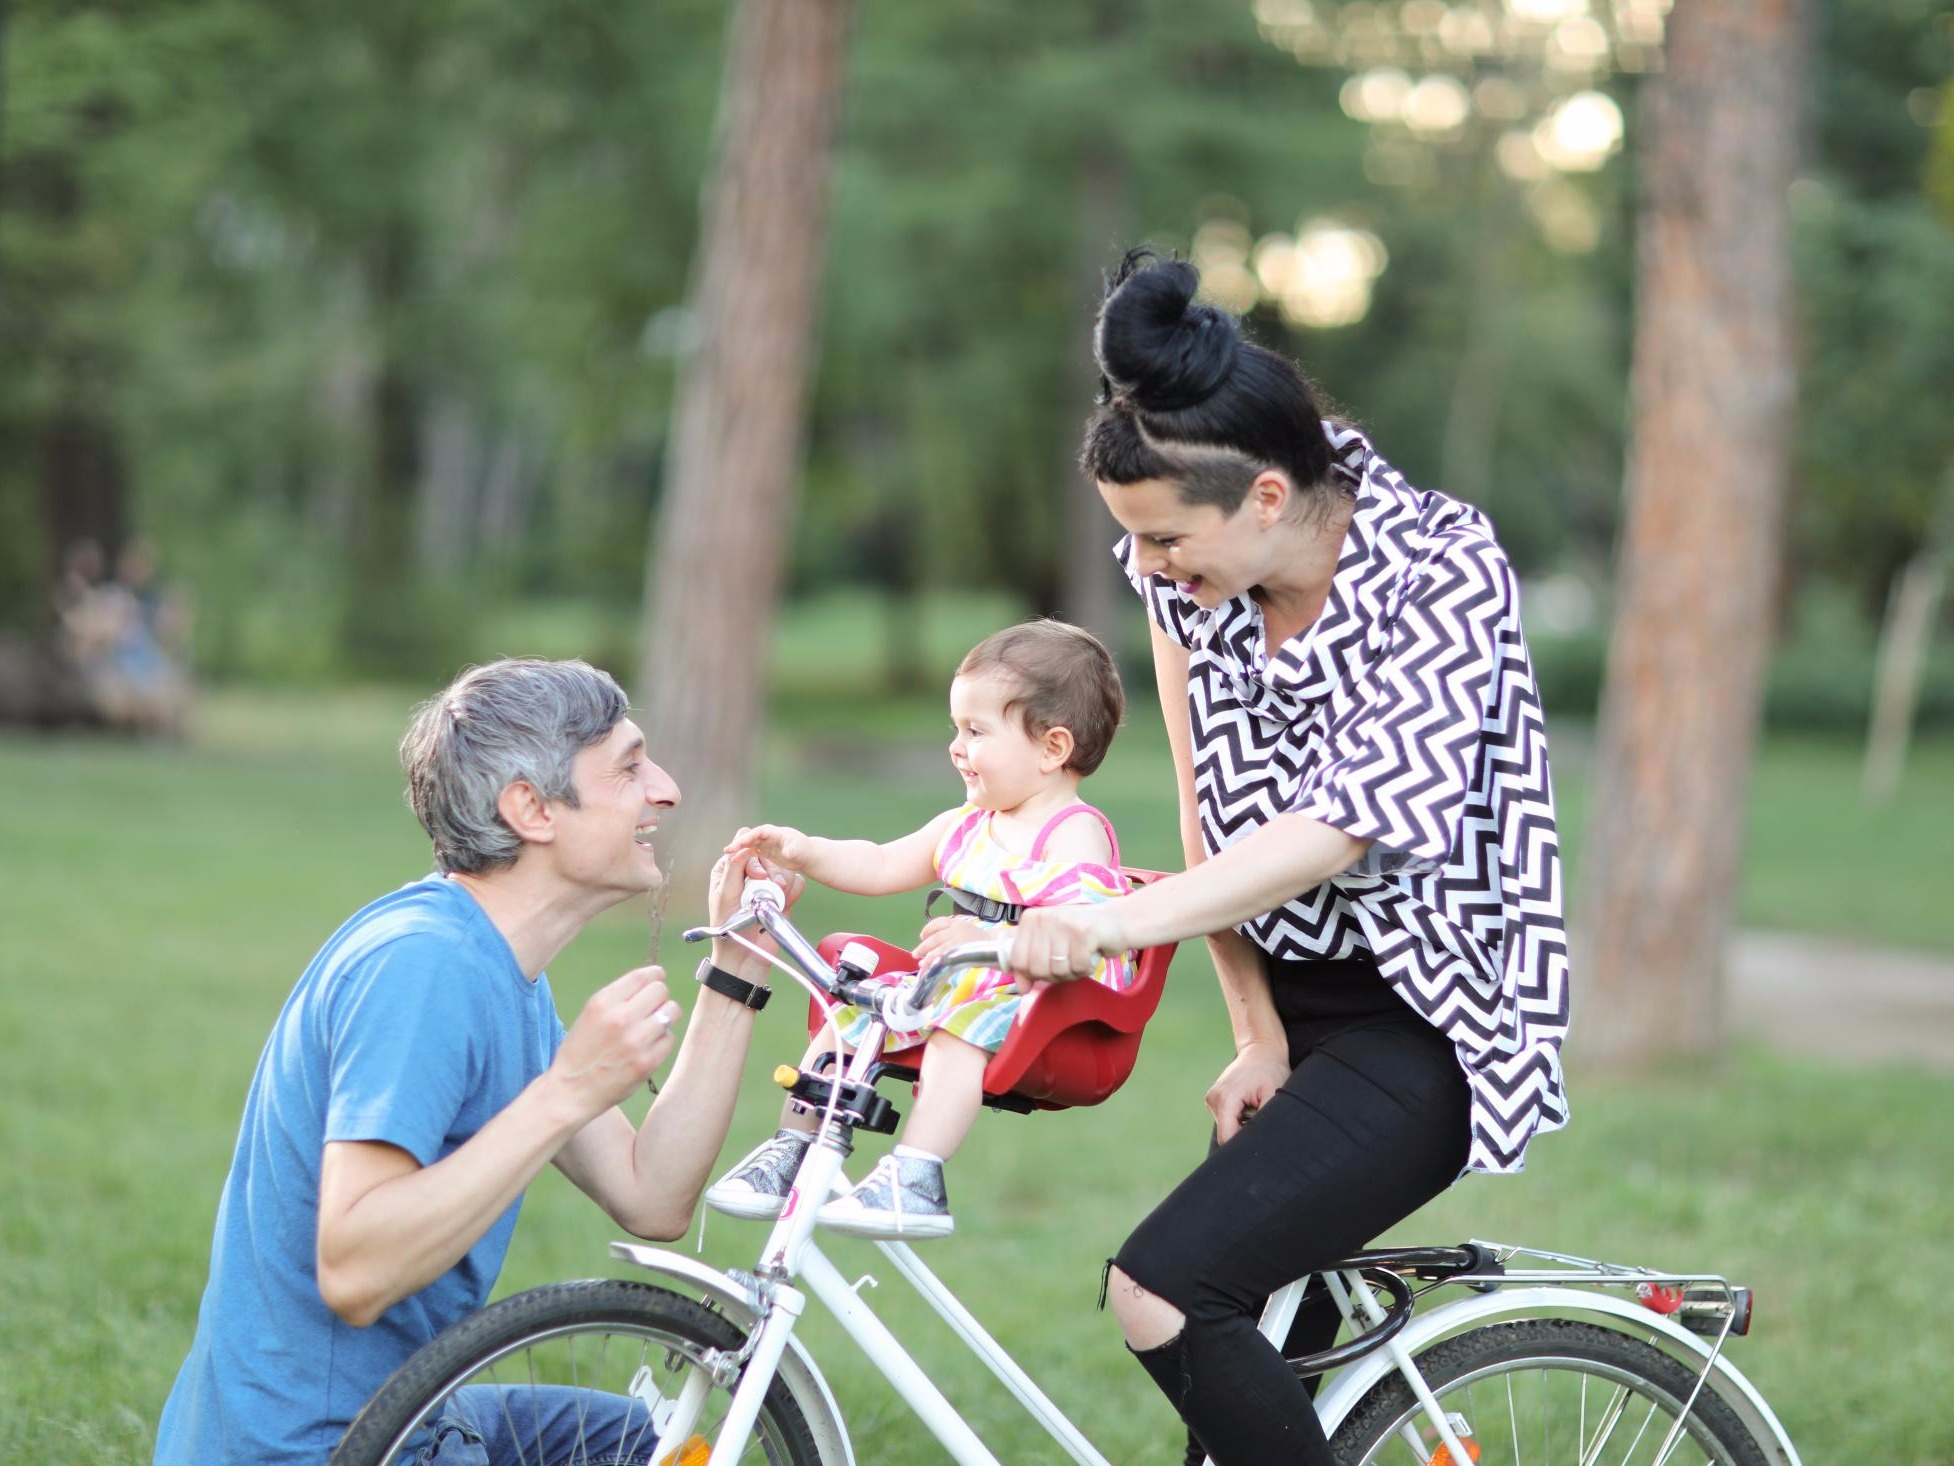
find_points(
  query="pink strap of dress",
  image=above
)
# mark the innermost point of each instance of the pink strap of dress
(1038, 845)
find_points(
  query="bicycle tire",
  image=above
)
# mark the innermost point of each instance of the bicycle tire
(536, 1332)
(1550, 1364)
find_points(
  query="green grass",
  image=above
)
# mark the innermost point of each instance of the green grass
(156, 904)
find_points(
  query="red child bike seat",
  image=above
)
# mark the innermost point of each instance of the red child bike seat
(1073, 1043)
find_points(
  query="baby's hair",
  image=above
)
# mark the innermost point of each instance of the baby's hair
(1064, 678)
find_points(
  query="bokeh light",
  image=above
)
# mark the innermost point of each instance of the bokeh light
(1580, 133)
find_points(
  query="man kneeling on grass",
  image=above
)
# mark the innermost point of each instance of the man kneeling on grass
(418, 1079)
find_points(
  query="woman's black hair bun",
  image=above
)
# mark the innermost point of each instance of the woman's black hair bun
(1154, 344)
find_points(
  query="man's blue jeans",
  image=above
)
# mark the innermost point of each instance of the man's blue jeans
(545, 1425)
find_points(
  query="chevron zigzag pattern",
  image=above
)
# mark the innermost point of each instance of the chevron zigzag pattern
(1407, 715)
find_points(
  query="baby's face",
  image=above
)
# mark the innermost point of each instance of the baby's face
(993, 754)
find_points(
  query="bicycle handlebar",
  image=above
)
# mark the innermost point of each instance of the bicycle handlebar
(901, 1006)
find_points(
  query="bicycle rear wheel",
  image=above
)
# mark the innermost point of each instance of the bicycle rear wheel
(1549, 1391)
(587, 1371)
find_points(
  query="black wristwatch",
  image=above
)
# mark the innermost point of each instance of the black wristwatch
(751, 994)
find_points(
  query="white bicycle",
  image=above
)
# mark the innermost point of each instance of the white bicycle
(1527, 1356)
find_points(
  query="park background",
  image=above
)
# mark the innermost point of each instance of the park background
(381, 326)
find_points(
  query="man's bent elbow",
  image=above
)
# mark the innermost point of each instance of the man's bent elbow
(353, 1299)
(661, 1221)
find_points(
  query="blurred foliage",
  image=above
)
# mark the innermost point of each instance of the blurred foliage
(378, 310)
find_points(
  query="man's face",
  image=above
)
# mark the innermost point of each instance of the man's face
(604, 842)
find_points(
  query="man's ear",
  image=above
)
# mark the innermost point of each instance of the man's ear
(526, 813)
(1055, 749)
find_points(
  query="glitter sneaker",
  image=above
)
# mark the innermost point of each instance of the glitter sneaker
(901, 1197)
(757, 1187)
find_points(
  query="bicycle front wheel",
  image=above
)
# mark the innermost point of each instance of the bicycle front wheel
(1549, 1391)
(587, 1371)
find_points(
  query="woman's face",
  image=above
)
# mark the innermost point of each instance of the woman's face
(1210, 555)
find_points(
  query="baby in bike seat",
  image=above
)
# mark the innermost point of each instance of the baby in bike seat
(1034, 709)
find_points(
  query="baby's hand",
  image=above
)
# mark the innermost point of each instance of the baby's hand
(782, 844)
(946, 932)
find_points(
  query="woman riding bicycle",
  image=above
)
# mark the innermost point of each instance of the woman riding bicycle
(1369, 833)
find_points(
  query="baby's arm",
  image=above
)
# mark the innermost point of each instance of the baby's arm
(859, 867)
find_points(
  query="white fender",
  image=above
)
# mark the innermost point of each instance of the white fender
(736, 1300)
(1342, 1393)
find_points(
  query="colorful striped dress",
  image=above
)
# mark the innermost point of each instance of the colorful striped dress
(982, 1002)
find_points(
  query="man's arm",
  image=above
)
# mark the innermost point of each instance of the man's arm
(648, 1179)
(389, 1226)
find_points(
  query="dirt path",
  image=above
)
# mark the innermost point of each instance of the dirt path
(1837, 1000)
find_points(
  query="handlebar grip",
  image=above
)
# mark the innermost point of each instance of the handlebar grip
(992, 952)
(760, 891)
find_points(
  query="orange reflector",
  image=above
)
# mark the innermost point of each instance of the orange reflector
(695, 1452)
(786, 1076)
(1443, 1455)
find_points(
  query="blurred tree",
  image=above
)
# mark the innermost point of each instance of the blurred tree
(65, 261)
(1713, 389)
(1920, 589)
(971, 242)
(734, 459)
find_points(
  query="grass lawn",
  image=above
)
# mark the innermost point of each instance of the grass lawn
(156, 904)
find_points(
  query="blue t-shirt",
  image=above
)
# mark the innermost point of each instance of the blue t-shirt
(415, 1026)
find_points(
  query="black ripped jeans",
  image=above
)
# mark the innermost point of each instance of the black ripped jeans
(1372, 1123)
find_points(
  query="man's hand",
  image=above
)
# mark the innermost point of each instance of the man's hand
(1259, 1070)
(730, 873)
(945, 932)
(783, 845)
(622, 1035)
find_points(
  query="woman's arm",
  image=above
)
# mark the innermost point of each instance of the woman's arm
(1237, 961)
(1289, 855)
(1261, 1061)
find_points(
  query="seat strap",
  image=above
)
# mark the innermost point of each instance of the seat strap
(969, 903)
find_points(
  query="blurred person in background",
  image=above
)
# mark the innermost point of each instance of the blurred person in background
(127, 637)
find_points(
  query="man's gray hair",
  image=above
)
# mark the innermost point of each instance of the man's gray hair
(518, 719)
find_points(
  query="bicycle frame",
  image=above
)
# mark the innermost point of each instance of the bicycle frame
(1562, 1292)
(767, 1305)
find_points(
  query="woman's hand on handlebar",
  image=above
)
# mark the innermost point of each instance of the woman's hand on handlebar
(729, 877)
(1064, 941)
(1259, 1070)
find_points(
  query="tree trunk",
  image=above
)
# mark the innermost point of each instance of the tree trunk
(1467, 456)
(1712, 387)
(1094, 591)
(385, 630)
(735, 449)
(1905, 636)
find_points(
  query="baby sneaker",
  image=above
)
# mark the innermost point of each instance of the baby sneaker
(903, 1196)
(758, 1186)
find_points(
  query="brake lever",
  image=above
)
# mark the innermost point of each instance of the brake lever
(759, 892)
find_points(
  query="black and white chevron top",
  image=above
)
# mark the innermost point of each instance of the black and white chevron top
(1406, 715)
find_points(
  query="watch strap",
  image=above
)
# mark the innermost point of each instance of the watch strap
(749, 994)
